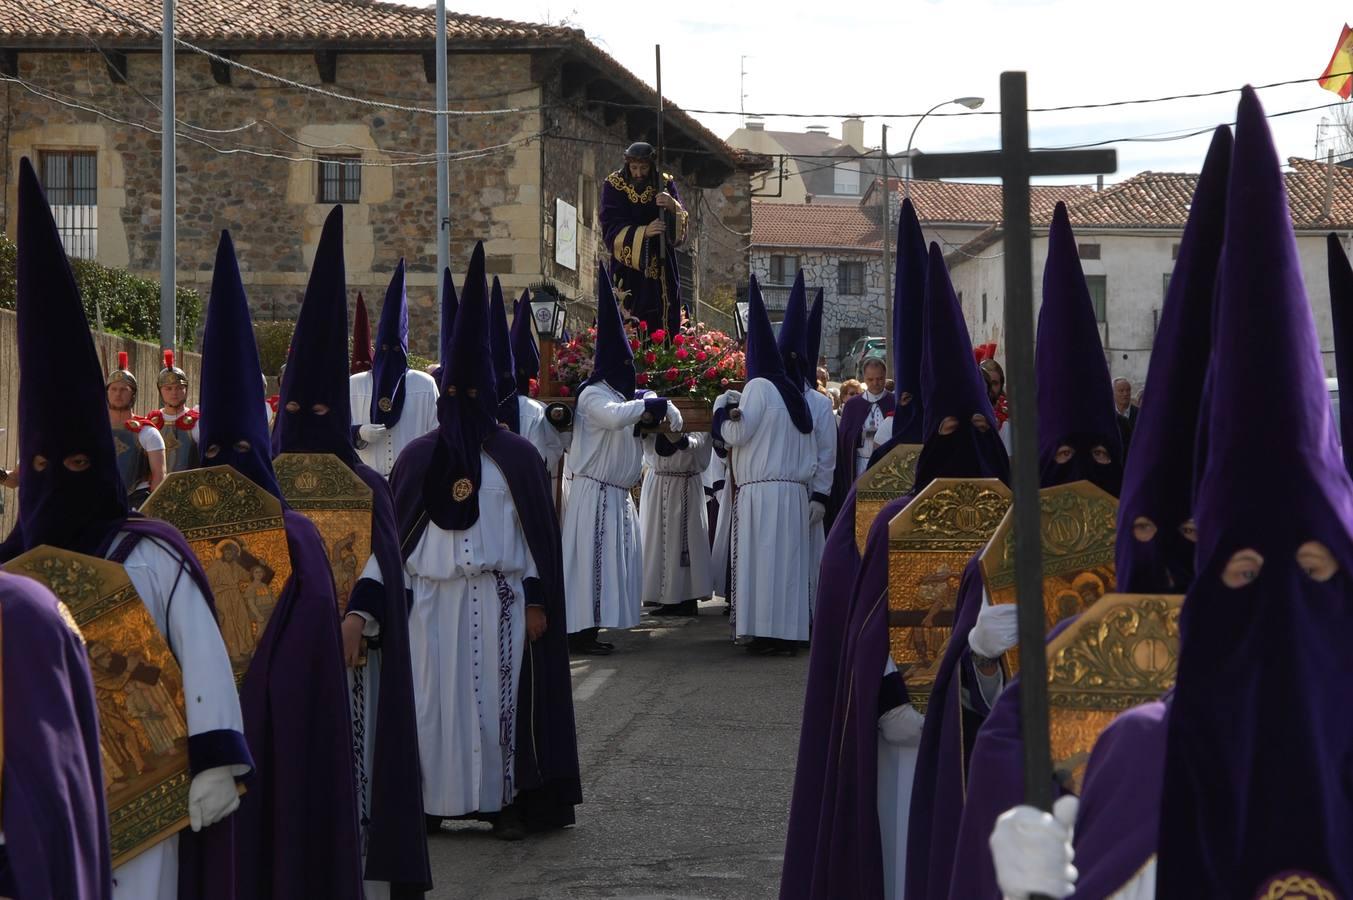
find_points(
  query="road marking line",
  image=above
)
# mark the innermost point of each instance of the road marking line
(591, 684)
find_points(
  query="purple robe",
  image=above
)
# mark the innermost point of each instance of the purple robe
(647, 286)
(297, 834)
(834, 848)
(848, 435)
(396, 838)
(940, 784)
(548, 783)
(56, 826)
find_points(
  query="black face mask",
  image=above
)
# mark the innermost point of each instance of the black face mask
(1105, 472)
(966, 453)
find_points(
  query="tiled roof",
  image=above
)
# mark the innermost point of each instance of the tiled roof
(247, 20)
(971, 203)
(1161, 200)
(815, 225)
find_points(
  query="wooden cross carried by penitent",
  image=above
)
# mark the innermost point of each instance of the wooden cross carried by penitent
(1014, 164)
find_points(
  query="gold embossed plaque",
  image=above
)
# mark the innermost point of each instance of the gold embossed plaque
(1079, 525)
(138, 688)
(929, 543)
(235, 528)
(328, 493)
(892, 477)
(1121, 652)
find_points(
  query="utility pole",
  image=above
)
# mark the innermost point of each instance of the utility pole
(885, 231)
(443, 150)
(168, 200)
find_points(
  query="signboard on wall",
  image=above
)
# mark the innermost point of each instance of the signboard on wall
(565, 235)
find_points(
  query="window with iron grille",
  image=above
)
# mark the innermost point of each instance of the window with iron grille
(783, 269)
(70, 178)
(340, 179)
(850, 278)
(1099, 294)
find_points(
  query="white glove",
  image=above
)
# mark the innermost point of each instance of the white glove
(369, 433)
(211, 797)
(733, 398)
(674, 421)
(816, 511)
(1032, 850)
(901, 726)
(996, 631)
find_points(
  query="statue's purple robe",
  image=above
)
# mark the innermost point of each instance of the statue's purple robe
(56, 826)
(849, 432)
(647, 284)
(547, 778)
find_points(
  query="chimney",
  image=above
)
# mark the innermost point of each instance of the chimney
(1099, 183)
(756, 125)
(852, 132)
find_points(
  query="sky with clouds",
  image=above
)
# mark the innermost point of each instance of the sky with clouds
(882, 59)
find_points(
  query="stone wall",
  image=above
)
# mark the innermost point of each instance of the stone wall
(839, 311)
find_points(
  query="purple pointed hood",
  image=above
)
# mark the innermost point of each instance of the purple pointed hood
(57, 362)
(466, 409)
(1153, 554)
(525, 354)
(392, 353)
(504, 366)
(1341, 312)
(1075, 394)
(813, 338)
(764, 361)
(361, 339)
(1257, 787)
(909, 299)
(314, 414)
(792, 341)
(234, 427)
(450, 303)
(613, 359)
(953, 388)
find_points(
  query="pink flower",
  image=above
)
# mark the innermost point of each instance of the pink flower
(563, 390)
(711, 373)
(683, 354)
(650, 357)
(701, 356)
(672, 374)
(641, 379)
(659, 336)
(690, 382)
(534, 388)
(723, 382)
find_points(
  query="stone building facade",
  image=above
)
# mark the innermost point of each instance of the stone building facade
(546, 117)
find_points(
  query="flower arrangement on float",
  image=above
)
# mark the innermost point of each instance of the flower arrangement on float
(694, 364)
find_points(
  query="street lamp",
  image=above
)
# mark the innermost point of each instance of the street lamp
(967, 102)
(741, 311)
(547, 312)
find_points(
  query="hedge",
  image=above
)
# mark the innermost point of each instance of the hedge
(274, 341)
(115, 300)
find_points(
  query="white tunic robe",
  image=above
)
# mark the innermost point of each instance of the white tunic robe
(774, 464)
(467, 635)
(896, 770)
(672, 517)
(723, 528)
(603, 559)
(417, 418)
(547, 440)
(824, 436)
(183, 617)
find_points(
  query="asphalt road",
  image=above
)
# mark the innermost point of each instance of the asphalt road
(687, 747)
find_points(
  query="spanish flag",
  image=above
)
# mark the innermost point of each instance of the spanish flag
(1336, 76)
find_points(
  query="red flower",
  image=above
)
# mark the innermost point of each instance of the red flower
(683, 354)
(659, 336)
(701, 356)
(534, 388)
(563, 390)
(672, 374)
(650, 357)
(690, 382)
(634, 343)
(641, 379)
(554, 371)
(679, 339)
(711, 373)
(643, 326)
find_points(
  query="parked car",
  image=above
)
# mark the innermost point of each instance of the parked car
(864, 349)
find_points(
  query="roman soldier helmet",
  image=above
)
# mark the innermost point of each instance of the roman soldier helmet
(171, 374)
(640, 150)
(121, 373)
